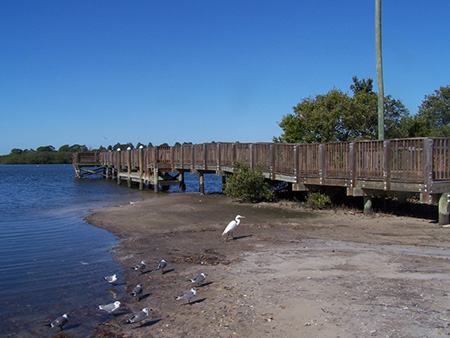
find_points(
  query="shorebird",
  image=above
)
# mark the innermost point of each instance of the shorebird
(110, 279)
(110, 308)
(139, 316)
(140, 267)
(199, 278)
(60, 321)
(162, 265)
(137, 292)
(188, 295)
(232, 226)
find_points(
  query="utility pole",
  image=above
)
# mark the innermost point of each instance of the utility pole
(379, 69)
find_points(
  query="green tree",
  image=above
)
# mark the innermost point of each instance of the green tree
(16, 151)
(434, 112)
(44, 149)
(337, 116)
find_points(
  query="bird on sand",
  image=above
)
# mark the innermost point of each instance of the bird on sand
(199, 279)
(162, 265)
(137, 292)
(139, 316)
(232, 226)
(111, 279)
(110, 308)
(140, 267)
(60, 321)
(188, 295)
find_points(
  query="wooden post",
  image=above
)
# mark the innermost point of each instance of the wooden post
(155, 180)
(425, 195)
(444, 210)
(182, 186)
(141, 168)
(367, 205)
(202, 183)
(387, 165)
(129, 167)
(224, 182)
(119, 169)
(322, 164)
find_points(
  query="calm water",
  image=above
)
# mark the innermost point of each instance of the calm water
(51, 261)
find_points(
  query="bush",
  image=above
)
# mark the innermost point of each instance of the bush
(248, 184)
(317, 200)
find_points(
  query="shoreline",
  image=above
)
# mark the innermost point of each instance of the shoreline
(288, 273)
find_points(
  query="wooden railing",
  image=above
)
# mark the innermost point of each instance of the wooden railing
(419, 161)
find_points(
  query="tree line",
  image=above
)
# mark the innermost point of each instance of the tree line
(50, 155)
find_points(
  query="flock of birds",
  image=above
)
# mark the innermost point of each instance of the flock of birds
(142, 315)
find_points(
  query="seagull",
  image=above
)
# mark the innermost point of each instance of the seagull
(139, 316)
(140, 267)
(232, 226)
(110, 279)
(162, 265)
(60, 321)
(188, 295)
(110, 308)
(199, 279)
(136, 292)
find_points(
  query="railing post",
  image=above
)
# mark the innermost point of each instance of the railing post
(272, 161)
(193, 157)
(251, 156)
(296, 164)
(322, 163)
(141, 168)
(352, 166)
(427, 169)
(204, 156)
(119, 169)
(129, 167)
(387, 165)
(218, 157)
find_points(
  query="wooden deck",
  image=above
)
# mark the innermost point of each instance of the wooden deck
(363, 168)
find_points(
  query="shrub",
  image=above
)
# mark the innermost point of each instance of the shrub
(248, 184)
(317, 200)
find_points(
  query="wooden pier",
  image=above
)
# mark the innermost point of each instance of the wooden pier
(364, 168)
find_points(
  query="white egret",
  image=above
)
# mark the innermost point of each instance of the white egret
(232, 226)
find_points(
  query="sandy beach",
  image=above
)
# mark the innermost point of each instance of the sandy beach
(287, 273)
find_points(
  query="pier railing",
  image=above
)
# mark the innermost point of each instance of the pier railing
(413, 165)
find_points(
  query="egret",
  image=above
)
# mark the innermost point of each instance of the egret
(232, 226)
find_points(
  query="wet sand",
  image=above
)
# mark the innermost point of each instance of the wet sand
(287, 273)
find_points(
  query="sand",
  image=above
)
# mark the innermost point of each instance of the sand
(287, 273)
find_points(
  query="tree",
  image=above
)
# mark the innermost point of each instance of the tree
(434, 112)
(337, 116)
(44, 149)
(16, 151)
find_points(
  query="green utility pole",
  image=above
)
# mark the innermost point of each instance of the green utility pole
(379, 70)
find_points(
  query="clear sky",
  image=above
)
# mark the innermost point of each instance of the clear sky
(101, 72)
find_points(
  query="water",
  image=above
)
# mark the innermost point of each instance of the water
(51, 261)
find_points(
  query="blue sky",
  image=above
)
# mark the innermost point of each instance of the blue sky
(102, 72)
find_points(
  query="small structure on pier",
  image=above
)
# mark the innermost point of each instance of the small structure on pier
(364, 168)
